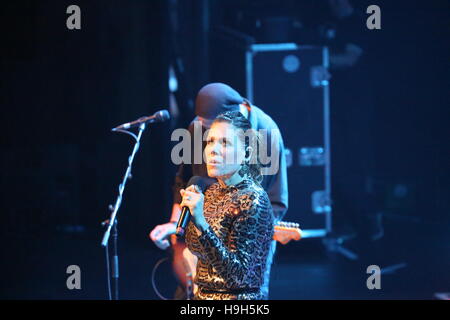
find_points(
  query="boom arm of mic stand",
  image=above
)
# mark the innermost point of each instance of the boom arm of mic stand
(112, 219)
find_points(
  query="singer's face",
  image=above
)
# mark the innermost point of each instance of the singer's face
(224, 151)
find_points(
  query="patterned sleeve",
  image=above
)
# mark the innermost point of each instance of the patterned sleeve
(249, 240)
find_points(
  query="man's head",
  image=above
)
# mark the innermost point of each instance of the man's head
(214, 99)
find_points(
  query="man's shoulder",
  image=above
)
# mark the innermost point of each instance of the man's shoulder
(265, 121)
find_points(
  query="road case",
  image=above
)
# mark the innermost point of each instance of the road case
(289, 82)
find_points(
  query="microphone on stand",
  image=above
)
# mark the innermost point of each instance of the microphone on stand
(185, 215)
(158, 116)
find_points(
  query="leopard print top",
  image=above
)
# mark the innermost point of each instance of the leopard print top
(232, 253)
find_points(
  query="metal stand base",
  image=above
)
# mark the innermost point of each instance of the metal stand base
(335, 245)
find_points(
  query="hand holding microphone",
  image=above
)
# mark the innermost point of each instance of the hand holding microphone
(194, 200)
(192, 206)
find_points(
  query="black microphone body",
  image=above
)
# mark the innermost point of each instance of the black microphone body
(158, 116)
(185, 215)
(183, 222)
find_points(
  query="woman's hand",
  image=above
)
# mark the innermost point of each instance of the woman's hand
(193, 199)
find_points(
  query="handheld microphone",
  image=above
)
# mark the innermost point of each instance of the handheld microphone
(158, 116)
(185, 216)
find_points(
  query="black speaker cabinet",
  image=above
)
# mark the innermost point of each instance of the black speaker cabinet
(291, 84)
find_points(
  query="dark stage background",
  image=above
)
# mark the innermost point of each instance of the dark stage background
(63, 90)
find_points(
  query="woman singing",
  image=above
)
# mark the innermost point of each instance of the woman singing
(232, 223)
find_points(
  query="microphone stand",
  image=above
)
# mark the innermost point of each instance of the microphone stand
(112, 221)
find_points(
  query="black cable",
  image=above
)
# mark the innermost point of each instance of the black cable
(153, 278)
